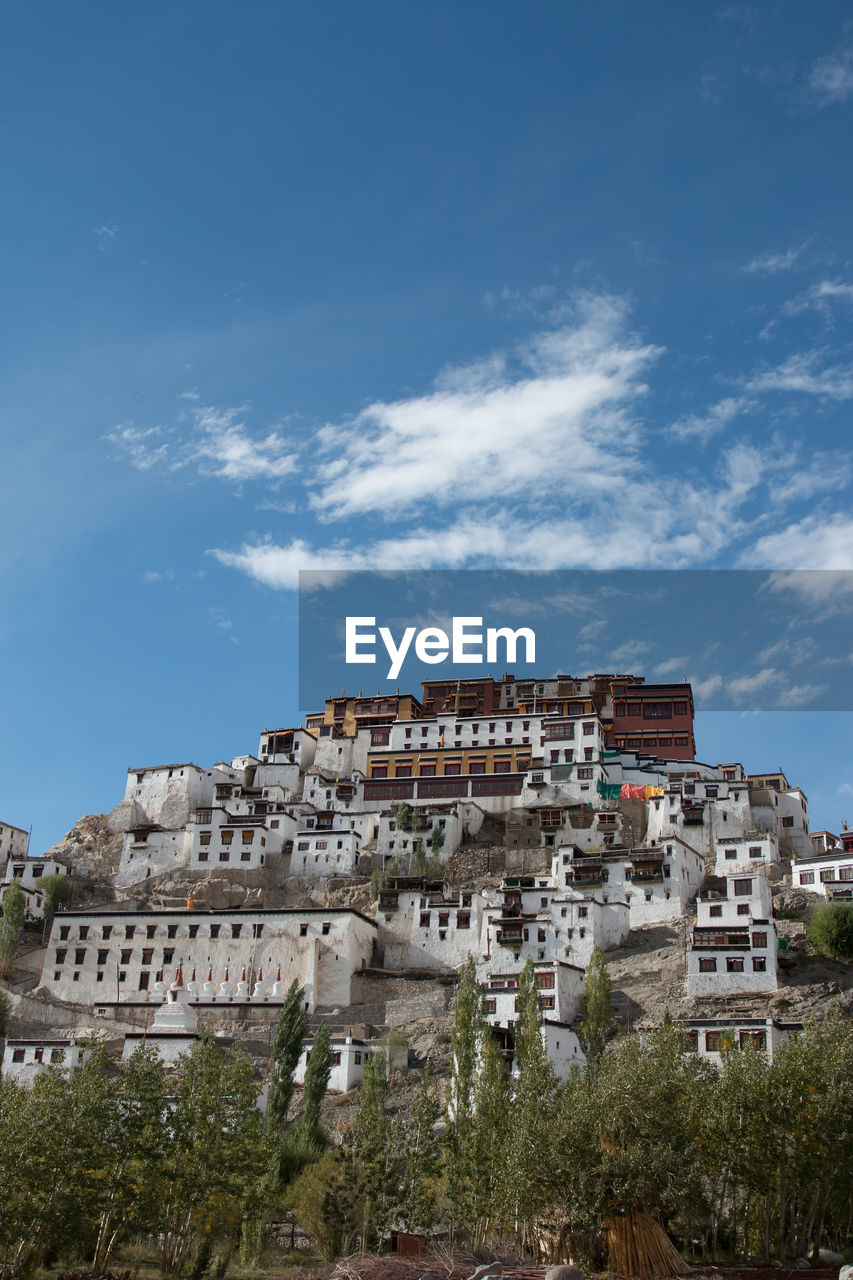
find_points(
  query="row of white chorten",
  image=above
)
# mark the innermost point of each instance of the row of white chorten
(208, 991)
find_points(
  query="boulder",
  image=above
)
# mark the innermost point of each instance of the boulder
(487, 1269)
(846, 1273)
(564, 1273)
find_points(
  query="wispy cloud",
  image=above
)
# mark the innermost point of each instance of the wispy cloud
(802, 372)
(217, 444)
(830, 78)
(105, 235)
(826, 297)
(818, 541)
(702, 426)
(768, 264)
(158, 575)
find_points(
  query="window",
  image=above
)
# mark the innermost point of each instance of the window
(827, 875)
(125, 956)
(80, 956)
(245, 855)
(788, 821)
(168, 955)
(248, 837)
(224, 855)
(236, 930)
(743, 888)
(679, 708)
(214, 930)
(102, 957)
(257, 930)
(64, 930)
(743, 909)
(715, 911)
(424, 920)
(588, 728)
(731, 853)
(150, 930)
(303, 929)
(463, 920)
(712, 1041)
(657, 710)
(759, 964)
(327, 924)
(452, 768)
(147, 955)
(584, 772)
(806, 877)
(172, 931)
(192, 931)
(204, 837)
(707, 964)
(84, 932)
(427, 769)
(759, 939)
(503, 766)
(202, 856)
(60, 956)
(734, 964)
(106, 931)
(143, 981)
(17, 1055)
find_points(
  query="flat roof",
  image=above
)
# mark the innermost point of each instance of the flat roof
(161, 913)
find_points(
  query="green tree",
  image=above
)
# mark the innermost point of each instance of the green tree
(436, 840)
(831, 930)
(131, 1160)
(487, 1186)
(420, 865)
(403, 817)
(467, 1042)
(327, 1199)
(14, 914)
(291, 1029)
(57, 890)
(420, 1161)
(5, 1011)
(316, 1080)
(218, 1150)
(597, 1025)
(532, 1113)
(373, 1147)
(378, 882)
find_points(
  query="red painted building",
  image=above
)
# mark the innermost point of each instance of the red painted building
(654, 718)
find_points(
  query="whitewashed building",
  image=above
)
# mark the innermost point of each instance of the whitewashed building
(330, 851)
(106, 958)
(25, 1059)
(424, 924)
(749, 852)
(829, 874)
(733, 942)
(711, 1037)
(14, 842)
(349, 1054)
(657, 883)
(29, 873)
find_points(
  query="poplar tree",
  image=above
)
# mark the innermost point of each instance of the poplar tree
(532, 1112)
(467, 1041)
(597, 1024)
(14, 913)
(316, 1080)
(290, 1031)
(373, 1148)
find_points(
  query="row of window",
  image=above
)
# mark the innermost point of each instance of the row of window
(827, 876)
(734, 964)
(452, 768)
(215, 930)
(650, 710)
(714, 1040)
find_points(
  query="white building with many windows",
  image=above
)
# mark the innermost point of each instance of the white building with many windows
(733, 942)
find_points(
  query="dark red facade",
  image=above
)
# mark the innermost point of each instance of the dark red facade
(654, 718)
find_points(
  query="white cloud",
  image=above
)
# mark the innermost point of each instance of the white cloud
(800, 372)
(105, 234)
(800, 695)
(702, 426)
(824, 297)
(158, 575)
(529, 425)
(830, 79)
(817, 541)
(140, 445)
(670, 667)
(768, 264)
(217, 445)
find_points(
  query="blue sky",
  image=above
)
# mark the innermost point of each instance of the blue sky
(417, 286)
